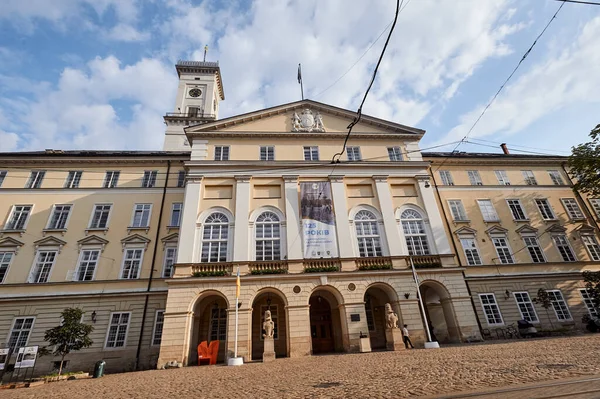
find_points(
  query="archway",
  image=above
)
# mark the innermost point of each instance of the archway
(376, 296)
(209, 323)
(275, 302)
(440, 312)
(325, 322)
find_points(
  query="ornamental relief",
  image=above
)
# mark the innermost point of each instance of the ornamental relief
(307, 121)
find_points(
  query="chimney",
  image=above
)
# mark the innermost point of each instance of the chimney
(504, 149)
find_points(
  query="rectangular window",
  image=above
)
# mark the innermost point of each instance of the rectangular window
(19, 334)
(563, 246)
(73, 179)
(556, 177)
(525, 307)
(181, 178)
(267, 153)
(588, 300)
(141, 215)
(502, 177)
(516, 209)
(474, 178)
(149, 179)
(395, 154)
(176, 214)
(535, 251)
(529, 177)
(491, 309)
(221, 153)
(503, 250)
(560, 306)
(353, 153)
(572, 208)
(132, 263)
(274, 314)
(218, 324)
(87, 265)
(458, 210)
(471, 252)
(59, 218)
(591, 244)
(117, 330)
(311, 153)
(111, 178)
(595, 202)
(487, 210)
(159, 322)
(42, 266)
(35, 179)
(545, 209)
(446, 178)
(170, 257)
(3, 174)
(18, 219)
(5, 258)
(100, 216)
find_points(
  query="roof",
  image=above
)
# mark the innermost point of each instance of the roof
(95, 153)
(489, 155)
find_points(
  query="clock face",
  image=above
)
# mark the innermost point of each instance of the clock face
(195, 92)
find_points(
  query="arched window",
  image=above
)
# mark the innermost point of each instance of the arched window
(367, 234)
(414, 232)
(268, 236)
(215, 235)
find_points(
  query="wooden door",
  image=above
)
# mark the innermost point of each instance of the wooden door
(321, 330)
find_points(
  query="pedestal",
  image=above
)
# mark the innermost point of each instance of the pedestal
(432, 345)
(393, 338)
(269, 351)
(365, 344)
(235, 361)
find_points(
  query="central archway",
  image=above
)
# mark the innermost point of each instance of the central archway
(376, 296)
(440, 312)
(209, 323)
(274, 301)
(325, 322)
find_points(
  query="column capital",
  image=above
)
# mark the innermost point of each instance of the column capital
(422, 178)
(242, 178)
(380, 178)
(194, 178)
(336, 179)
(290, 178)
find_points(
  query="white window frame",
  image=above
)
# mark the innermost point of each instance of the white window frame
(180, 210)
(476, 260)
(144, 208)
(474, 178)
(73, 179)
(353, 153)
(457, 209)
(491, 305)
(12, 329)
(80, 260)
(36, 178)
(564, 237)
(534, 245)
(558, 298)
(5, 264)
(222, 153)
(167, 256)
(515, 205)
(529, 178)
(268, 151)
(141, 263)
(588, 301)
(181, 178)
(430, 248)
(545, 204)
(502, 177)
(276, 240)
(34, 268)
(149, 178)
(228, 242)
(10, 224)
(506, 246)
(494, 217)
(312, 150)
(572, 208)
(110, 209)
(556, 177)
(222, 322)
(3, 174)
(111, 178)
(591, 245)
(370, 243)
(51, 218)
(595, 203)
(110, 324)
(395, 154)
(156, 342)
(446, 177)
(527, 304)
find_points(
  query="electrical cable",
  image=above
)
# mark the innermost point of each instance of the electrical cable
(580, 2)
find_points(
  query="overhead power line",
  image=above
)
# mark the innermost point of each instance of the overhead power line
(580, 2)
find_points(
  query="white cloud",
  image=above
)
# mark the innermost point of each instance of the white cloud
(126, 33)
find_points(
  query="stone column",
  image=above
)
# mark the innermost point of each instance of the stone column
(292, 216)
(389, 219)
(338, 191)
(356, 327)
(187, 231)
(244, 333)
(242, 213)
(411, 316)
(299, 330)
(433, 215)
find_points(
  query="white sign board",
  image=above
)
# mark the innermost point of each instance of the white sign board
(318, 220)
(26, 357)
(3, 357)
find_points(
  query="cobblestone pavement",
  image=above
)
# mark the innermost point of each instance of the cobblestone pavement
(402, 374)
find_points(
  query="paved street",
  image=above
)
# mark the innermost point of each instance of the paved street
(374, 375)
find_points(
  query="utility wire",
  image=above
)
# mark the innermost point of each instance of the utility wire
(579, 2)
(516, 145)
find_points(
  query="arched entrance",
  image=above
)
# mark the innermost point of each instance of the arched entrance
(275, 302)
(375, 298)
(209, 323)
(325, 322)
(440, 312)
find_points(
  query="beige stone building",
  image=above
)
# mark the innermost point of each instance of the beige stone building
(517, 226)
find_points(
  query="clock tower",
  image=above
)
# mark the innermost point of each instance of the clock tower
(198, 95)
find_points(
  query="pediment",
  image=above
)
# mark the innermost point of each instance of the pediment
(586, 229)
(10, 244)
(466, 231)
(171, 238)
(280, 119)
(496, 230)
(527, 229)
(556, 228)
(50, 241)
(135, 239)
(92, 240)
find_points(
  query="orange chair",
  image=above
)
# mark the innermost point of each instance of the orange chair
(208, 353)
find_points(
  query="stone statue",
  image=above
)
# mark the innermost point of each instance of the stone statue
(268, 325)
(391, 318)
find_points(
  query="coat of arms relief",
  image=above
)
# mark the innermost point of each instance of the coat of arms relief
(307, 121)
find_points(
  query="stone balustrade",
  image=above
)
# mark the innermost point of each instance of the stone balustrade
(268, 267)
(215, 269)
(318, 265)
(375, 263)
(426, 261)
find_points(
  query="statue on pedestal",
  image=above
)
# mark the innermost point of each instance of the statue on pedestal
(391, 318)
(268, 325)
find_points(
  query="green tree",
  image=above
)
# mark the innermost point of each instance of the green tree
(584, 164)
(544, 299)
(592, 284)
(71, 335)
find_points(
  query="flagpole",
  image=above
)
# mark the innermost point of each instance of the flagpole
(236, 361)
(429, 344)
(300, 80)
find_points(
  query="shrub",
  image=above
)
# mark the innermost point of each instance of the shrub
(268, 271)
(218, 273)
(323, 269)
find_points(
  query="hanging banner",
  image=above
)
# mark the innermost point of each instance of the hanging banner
(3, 357)
(318, 220)
(26, 357)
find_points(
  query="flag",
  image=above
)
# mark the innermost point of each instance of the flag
(238, 284)
(299, 74)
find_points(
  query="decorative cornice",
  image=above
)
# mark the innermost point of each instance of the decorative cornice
(242, 178)
(336, 178)
(465, 231)
(135, 239)
(496, 230)
(527, 229)
(556, 229)
(92, 240)
(10, 243)
(380, 178)
(50, 241)
(290, 178)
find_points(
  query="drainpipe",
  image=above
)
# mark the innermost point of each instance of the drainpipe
(437, 191)
(160, 214)
(580, 198)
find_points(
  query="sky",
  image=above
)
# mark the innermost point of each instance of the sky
(99, 74)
